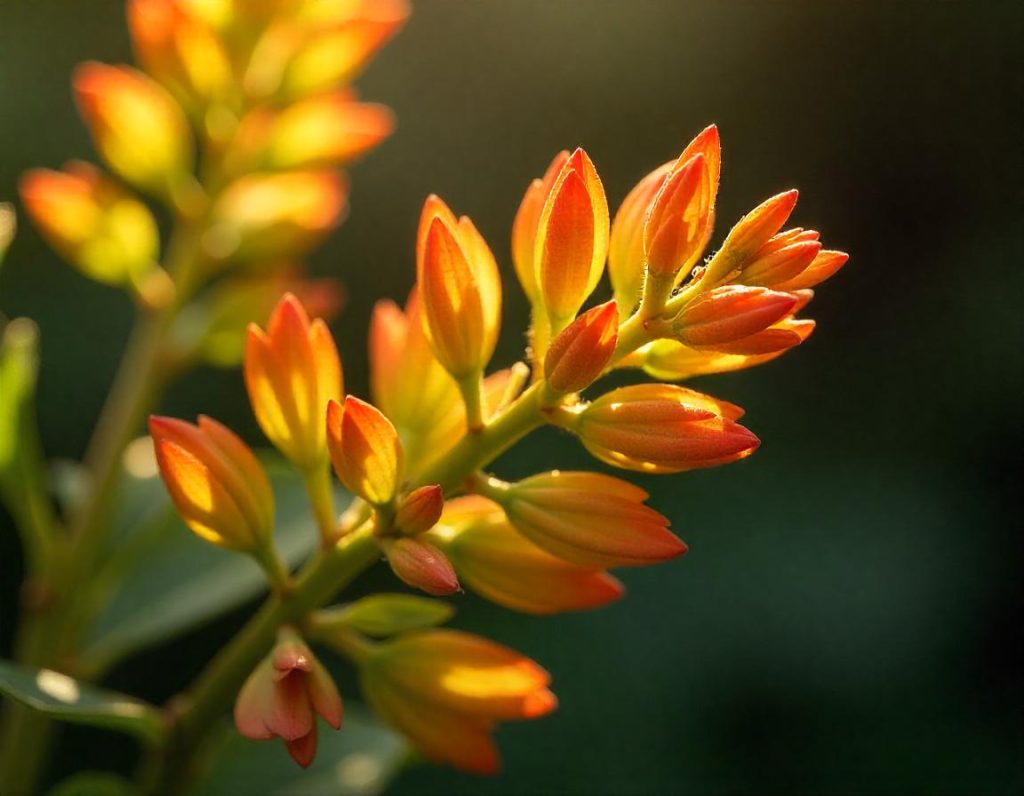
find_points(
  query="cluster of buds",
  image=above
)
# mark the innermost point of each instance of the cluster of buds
(416, 459)
(238, 123)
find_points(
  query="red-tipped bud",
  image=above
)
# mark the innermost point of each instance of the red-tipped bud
(422, 566)
(365, 450)
(283, 696)
(750, 234)
(524, 227)
(661, 428)
(582, 351)
(678, 225)
(774, 266)
(824, 266)
(730, 313)
(420, 510)
(572, 240)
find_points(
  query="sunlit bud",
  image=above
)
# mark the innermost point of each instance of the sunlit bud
(420, 510)
(730, 313)
(779, 265)
(341, 44)
(679, 222)
(365, 450)
(292, 371)
(775, 339)
(524, 227)
(329, 130)
(589, 519)
(400, 356)
(572, 240)
(582, 351)
(422, 566)
(8, 226)
(179, 48)
(136, 125)
(215, 482)
(269, 216)
(626, 261)
(460, 288)
(92, 222)
(661, 428)
(283, 696)
(824, 265)
(500, 564)
(750, 234)
(445, 690)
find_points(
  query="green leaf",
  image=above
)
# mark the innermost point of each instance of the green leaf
(166, 581)
(387, 614)
(60, 697)
(361, 759)
(93, 783)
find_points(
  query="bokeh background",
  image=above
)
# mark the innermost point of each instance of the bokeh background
(849, 617)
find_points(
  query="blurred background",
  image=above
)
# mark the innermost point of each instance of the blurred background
(848, 619)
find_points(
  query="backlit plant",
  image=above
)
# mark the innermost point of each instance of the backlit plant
(237, 128)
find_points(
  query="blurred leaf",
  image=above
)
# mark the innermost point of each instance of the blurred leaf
(60, 697)
(8, 226)
(359, 760)
(93, 783)
(166, 581)
(22, 473)
(388, 614)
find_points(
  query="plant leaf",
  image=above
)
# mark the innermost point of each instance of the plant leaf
(168, 581)
(361, 759)
(93, 783)
(61, 697)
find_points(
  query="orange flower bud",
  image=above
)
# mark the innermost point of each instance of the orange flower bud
(180, 49)
(750, 233)
(215, 482)
(626, 260)
(589, 519)
(328, 130)
(572, 240)
(824, 265)
(582, 351)
(420, 510)
(772, 266)
(460, 288)
(730, 313)
(422, 566)
(400, 356)
(445, 689)
(661, 428)
(524, 227)
(136, 125)
(365, 450)
(496, 562)
(283, 696)
(292, 371)
(92, 222)
(270, 216)
(679, 222)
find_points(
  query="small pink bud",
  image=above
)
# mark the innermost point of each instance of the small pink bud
(420, 510)
(422, 566)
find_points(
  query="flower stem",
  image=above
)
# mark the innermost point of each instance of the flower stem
(318, 487)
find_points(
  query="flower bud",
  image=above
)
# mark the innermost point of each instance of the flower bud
(93, 223)
(661, 428)
(445, 690)
(498, 563)
(460, 288)
(572, 240)
(679, 222)
(136, 125)
(292, 371)
(407, 382)
(365, 450)
(824, 265)
(217, 485)
(283, 696)
(270, 216)
(579, 355)
(8, 226)
(589, 519)
(524, 227)
(382, 615)
(750, 233)
(422, 566)
(420, 510)
(730, 313)
(626, 260)
(782, 258)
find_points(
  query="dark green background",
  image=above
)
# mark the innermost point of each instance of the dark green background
(849, 617)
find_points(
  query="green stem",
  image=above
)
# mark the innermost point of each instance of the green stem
(318, 488)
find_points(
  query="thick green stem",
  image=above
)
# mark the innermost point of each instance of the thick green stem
(317, 481)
